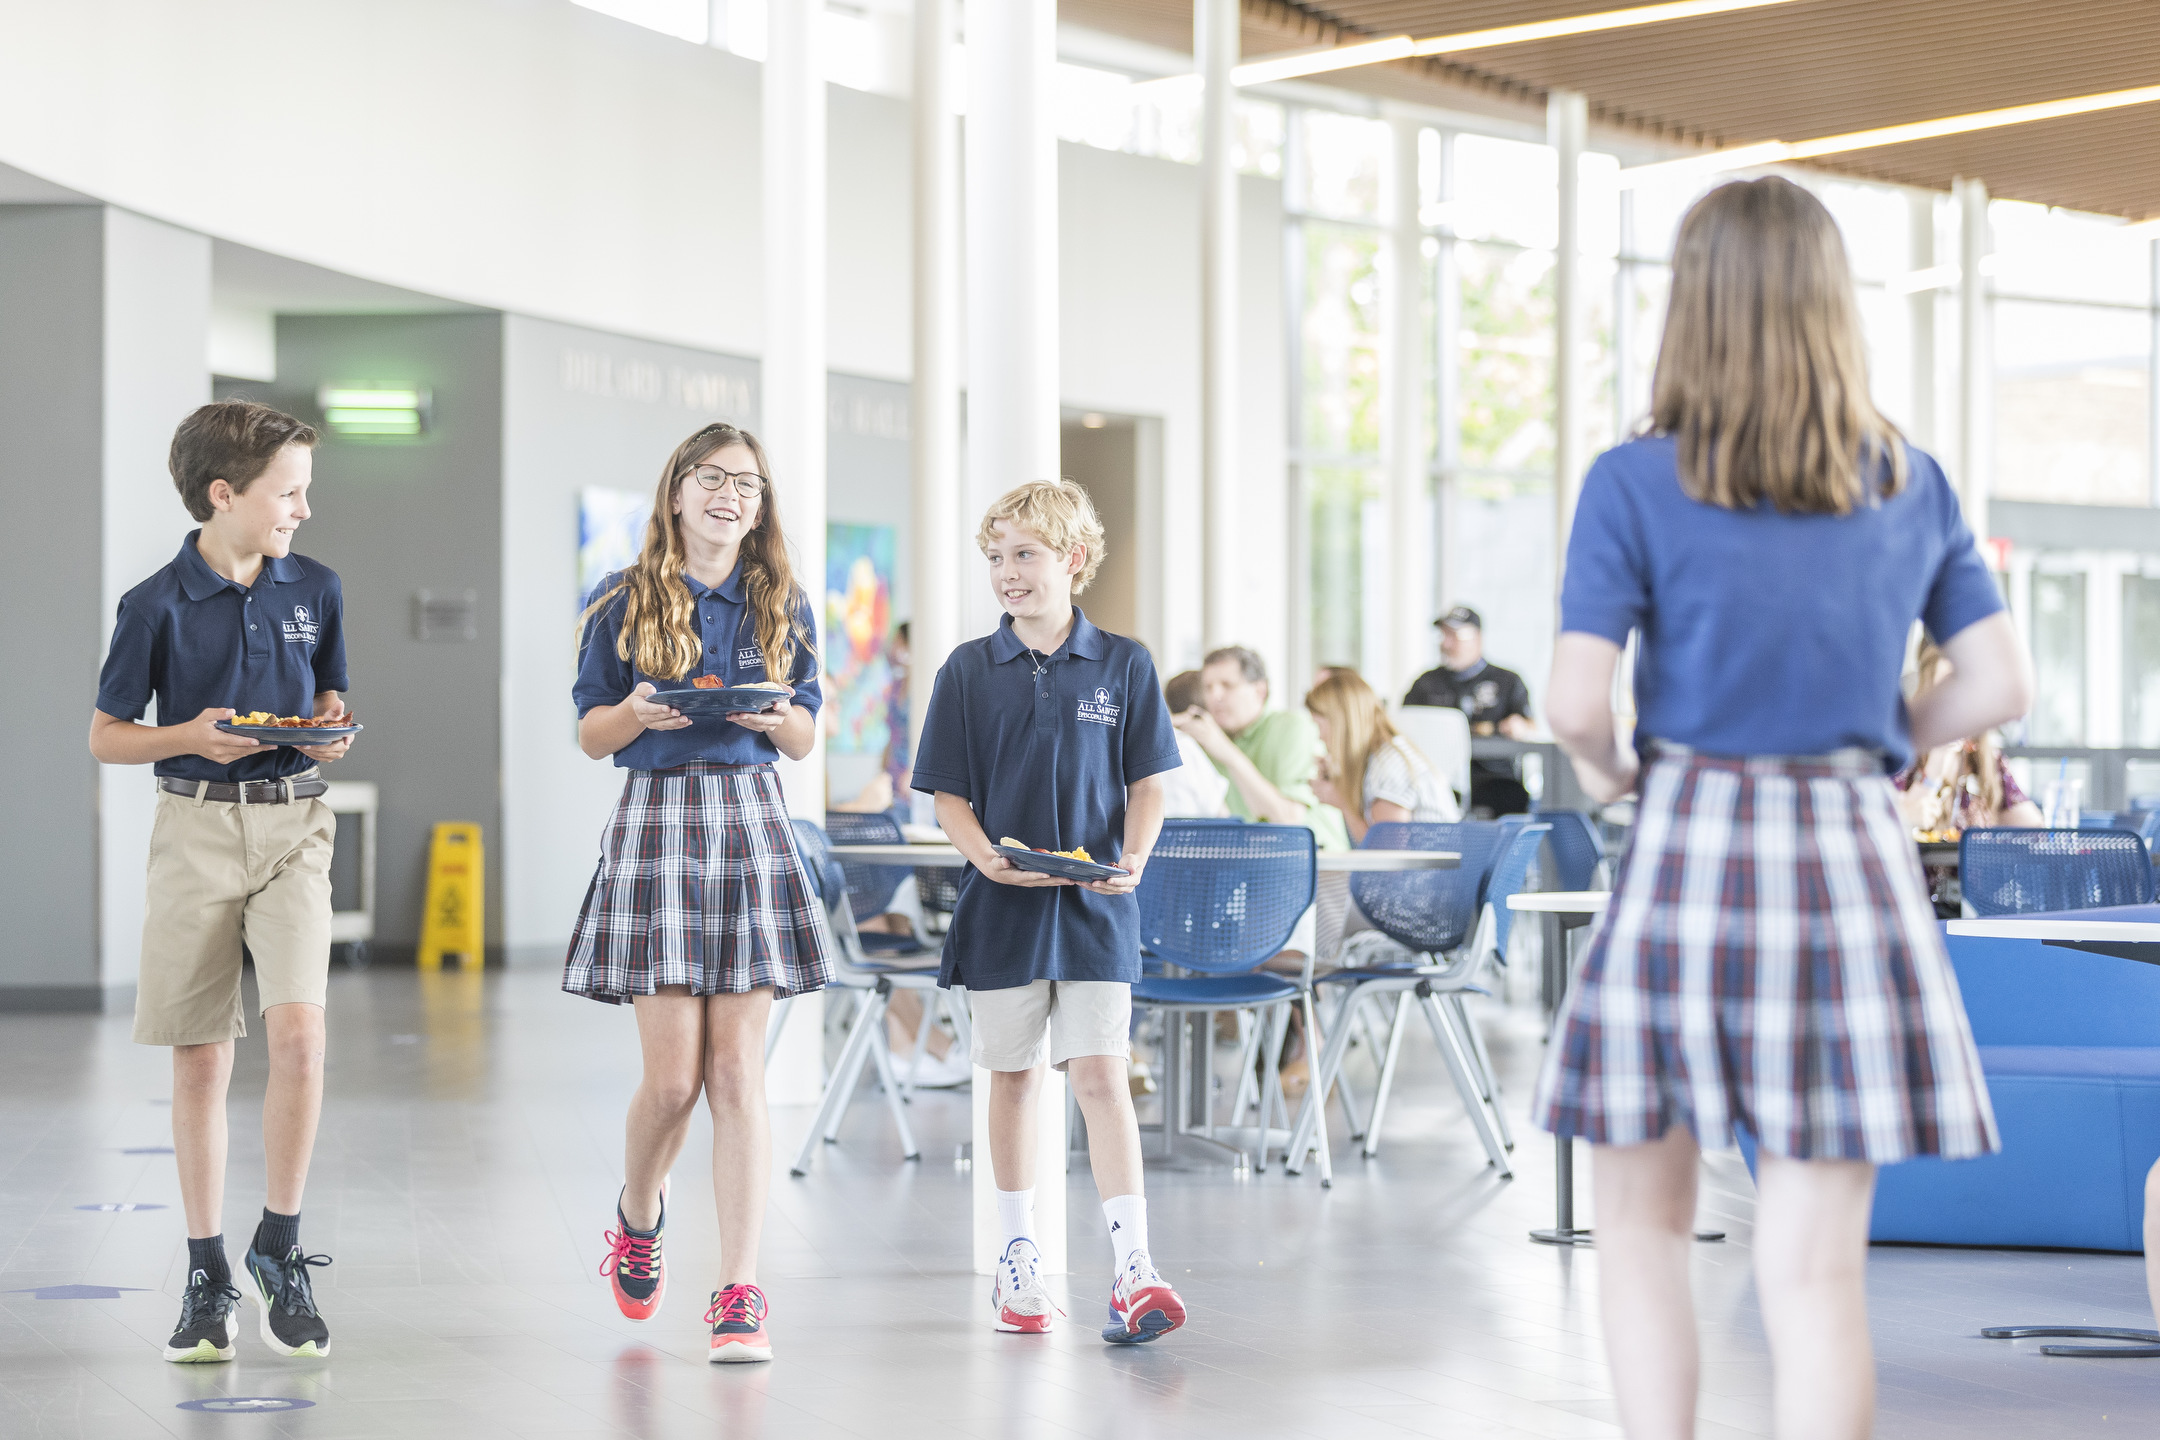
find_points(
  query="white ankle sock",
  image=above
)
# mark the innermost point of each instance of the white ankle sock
(1127, 1215)
(1016, 1216)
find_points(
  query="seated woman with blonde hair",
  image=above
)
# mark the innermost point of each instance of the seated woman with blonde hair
(1964, 785)
(1371, 772)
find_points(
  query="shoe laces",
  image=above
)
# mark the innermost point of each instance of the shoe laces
(1139, 1272)
(206, 1299)
(1024, 1285)
(736, 1305)
(637, 1256)
(295, 1292)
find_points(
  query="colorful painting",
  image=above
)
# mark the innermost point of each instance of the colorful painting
(858, 638)
(611, 527)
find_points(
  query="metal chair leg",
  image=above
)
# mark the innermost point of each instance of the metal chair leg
(1249, 1030)
(1320, 1136)
(870, 1023)
(1473, 1098)
(1322, 1077)
(881, 1057)
(1488, 1078)
(777, 1024)
(2148, 1348)
(1271, 1029)
(1403, 1002)
(834, 1100)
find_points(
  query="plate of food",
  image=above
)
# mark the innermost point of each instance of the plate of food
(708, 696)
(290, 729)
(1074, 864)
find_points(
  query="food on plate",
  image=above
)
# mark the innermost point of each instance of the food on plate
(707, 682)
(264, 720)
(764, 685)
(1937, 837)
(1078, 852)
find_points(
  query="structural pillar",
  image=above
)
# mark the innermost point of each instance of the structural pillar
(1567, 129)
(792, 425)
(1922, 424)
(1406, 382)
(1976, 356)
(1215, 47)
(1012, 398)
(104, 353)
(938, 533)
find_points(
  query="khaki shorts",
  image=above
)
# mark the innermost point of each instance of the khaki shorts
(1083, 1017)
(220, 874)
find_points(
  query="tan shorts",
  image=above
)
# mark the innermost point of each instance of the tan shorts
(220, 874)
(1083, 1017)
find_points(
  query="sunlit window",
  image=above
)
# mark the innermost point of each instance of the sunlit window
(1161, 119)
(684, 19)
(2073, 400)
(1341, 161)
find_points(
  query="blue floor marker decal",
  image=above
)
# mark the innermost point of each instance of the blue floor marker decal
(76, 1292)
(245, 1404)
(121, 1207)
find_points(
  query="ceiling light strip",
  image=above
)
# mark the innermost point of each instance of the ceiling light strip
(1772, 152)
(1403, 47)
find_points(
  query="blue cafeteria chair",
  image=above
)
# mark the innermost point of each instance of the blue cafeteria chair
(2010, 871)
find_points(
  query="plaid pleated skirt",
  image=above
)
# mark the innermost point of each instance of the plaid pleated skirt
(699, 884)
(1769, 960)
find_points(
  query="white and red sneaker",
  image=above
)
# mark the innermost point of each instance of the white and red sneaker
(737, 1317)
(635, 1265)
(1143, 1307)
(1019, 1302)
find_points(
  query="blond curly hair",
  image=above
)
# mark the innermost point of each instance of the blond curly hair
(1056, 512)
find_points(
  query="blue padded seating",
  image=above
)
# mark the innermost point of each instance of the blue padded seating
(2025, 872)
(870, 888)
(2070, 1043)
(1576, 848)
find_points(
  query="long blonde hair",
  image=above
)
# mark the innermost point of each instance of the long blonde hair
(1762, 373)
(659, 633)
(1357, 726)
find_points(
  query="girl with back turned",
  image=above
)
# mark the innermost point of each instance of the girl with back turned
(1769, 961)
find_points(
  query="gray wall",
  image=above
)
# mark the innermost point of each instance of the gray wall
(51, 411)
(394, 516)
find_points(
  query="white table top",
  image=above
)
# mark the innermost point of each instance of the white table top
(1560, 902)
(2013, 927)
(949, 857)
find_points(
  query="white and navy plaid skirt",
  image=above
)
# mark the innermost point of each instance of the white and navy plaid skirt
(1769, 961)
(699, 884)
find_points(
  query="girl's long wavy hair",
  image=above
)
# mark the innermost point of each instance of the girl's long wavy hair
(1762, 373)
(659, 632)
(1357, 727)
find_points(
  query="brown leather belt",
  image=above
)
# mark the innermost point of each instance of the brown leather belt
(248, 792)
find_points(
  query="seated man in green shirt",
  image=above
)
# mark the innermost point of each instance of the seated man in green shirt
(1267, 755)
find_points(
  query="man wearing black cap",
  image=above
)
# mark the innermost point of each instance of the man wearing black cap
(1495, 701)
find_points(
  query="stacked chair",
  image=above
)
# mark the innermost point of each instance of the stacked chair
(1218, 899)
(871, 979)
(1433, 934)
(1578, 854)
(2023, 872)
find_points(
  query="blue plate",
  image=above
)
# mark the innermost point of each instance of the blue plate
(1059, 865)
(727, 700)
(279, 735)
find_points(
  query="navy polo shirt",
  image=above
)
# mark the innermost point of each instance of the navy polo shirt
(197, 641)
(1042, 748)
(730, 651)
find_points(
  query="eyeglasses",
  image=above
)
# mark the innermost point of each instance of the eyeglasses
(748, 483)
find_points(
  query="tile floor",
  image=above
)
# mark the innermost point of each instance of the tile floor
(470, 1155)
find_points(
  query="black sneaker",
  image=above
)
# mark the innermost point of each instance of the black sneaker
(209, 1322)
(290, 1323)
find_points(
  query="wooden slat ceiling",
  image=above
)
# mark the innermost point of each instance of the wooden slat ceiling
(1787, 72)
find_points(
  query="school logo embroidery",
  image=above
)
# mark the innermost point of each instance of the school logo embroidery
(749, 658)
(1099, 710)
(302, 629)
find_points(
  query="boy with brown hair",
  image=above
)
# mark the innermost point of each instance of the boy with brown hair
(240, 849)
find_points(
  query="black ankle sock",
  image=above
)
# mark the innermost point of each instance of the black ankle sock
(277, 1234)
(208, 1256)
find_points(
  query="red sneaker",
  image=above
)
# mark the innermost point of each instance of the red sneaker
(1019, 1302)
(635, 1264)
(737, 1317)
(1143, 1307)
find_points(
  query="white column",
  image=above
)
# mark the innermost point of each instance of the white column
(1567, 126)
(1405, 383)
(939, 536)
(1922, 424)
(1976, 356)
(1012, 390)
(1215, 48)
(793, 421)
(2152, 384)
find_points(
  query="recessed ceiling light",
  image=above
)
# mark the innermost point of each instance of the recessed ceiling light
(368, 411)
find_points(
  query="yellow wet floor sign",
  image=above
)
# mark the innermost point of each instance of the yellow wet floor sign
(455, 903)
